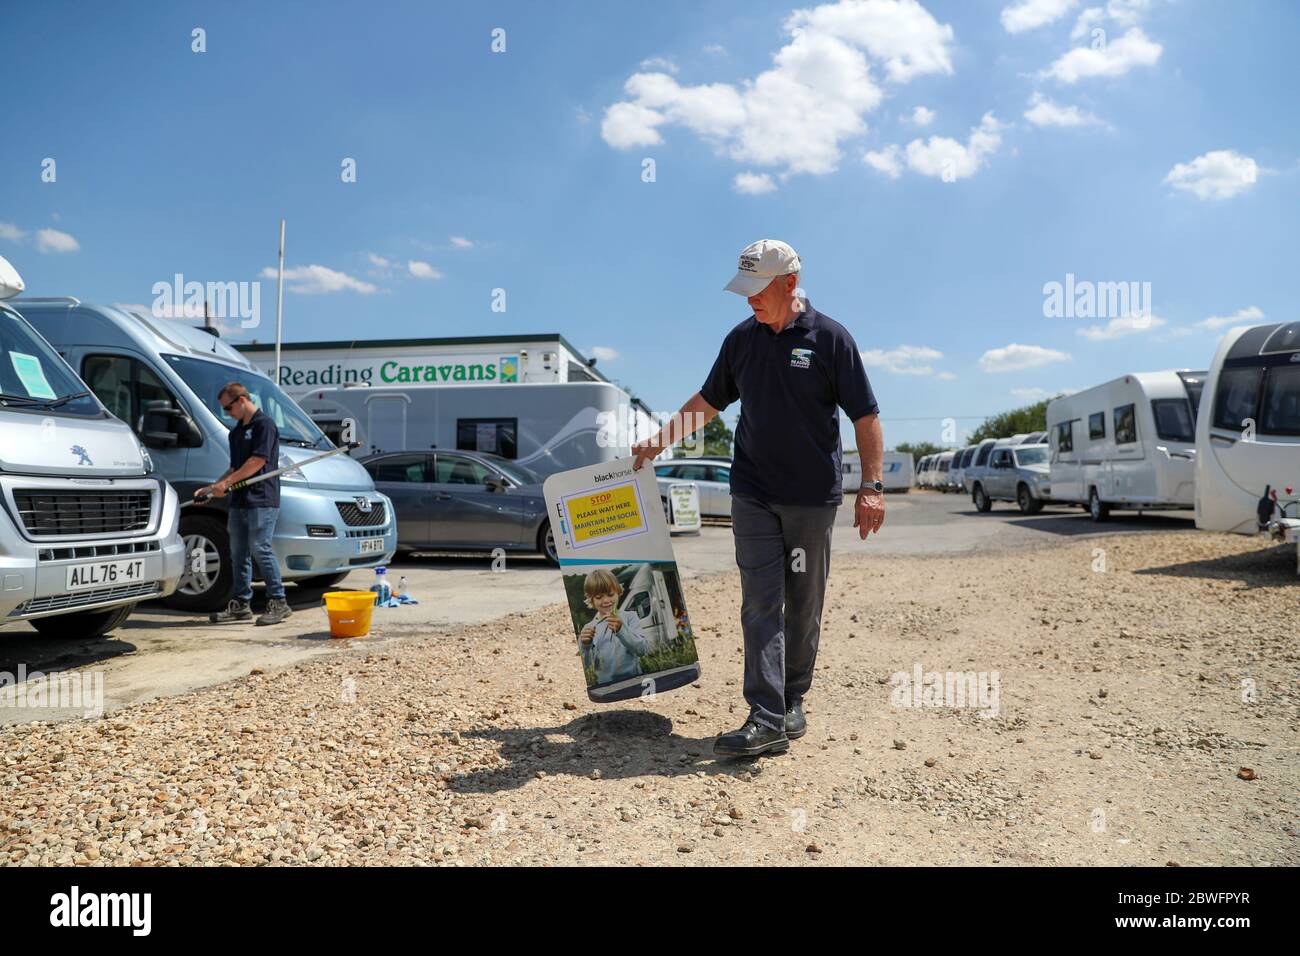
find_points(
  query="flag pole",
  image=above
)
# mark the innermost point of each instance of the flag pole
(279, 307)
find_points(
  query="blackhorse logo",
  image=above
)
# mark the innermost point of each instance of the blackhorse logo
(82, 457)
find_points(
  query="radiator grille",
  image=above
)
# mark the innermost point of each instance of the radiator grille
(354, 517)
(59, 602)
(47, 513)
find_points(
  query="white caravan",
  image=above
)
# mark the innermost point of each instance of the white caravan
(1248, 435)
(942, 468)
(1130, 443)
(897, 476)
(923, 470)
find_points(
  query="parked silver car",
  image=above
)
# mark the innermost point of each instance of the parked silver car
(1016, 473)
(711, 475)
(463, 501)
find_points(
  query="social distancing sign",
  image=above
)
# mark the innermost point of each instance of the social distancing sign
(621, 581)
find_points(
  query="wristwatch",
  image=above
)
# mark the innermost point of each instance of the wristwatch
(872, 486)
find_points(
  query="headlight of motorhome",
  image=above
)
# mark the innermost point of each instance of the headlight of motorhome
(285, 463)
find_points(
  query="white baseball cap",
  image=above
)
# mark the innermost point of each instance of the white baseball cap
(760, 263)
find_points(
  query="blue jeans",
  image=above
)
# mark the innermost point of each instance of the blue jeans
(250, 540)
(782, 590)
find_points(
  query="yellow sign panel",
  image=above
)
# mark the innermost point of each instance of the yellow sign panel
(611, 512)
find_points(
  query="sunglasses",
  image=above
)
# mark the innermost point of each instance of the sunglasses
(233, 403)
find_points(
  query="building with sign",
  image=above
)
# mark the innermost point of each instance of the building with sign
(534, 399)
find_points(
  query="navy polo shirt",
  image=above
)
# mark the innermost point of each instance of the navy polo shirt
(258, 438)
(791, 385)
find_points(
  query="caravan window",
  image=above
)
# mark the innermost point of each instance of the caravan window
(1237, 396)
(1065, 436)
(1280, 414)
(496, 436)
(1125, 425)
(1096, 426)
(982, 456)
(1174, 419)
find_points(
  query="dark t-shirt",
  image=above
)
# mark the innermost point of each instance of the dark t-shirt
(258, 438)
(791, 386)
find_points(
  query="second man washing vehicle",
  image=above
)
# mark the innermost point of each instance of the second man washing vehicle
(254, 444)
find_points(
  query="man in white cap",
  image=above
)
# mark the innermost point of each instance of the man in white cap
(792, 368)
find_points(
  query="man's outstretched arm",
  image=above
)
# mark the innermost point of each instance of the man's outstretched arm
(694, 415)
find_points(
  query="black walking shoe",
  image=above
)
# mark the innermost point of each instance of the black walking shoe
(751, 740)
(277, 609)
(235, 611)
(796, 724)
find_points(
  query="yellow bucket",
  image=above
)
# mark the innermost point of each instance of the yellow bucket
(349, 612)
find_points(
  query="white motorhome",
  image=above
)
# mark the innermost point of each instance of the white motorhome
(88, 528)
(1248, 435)
(546, 427)
(1129, 443)
(897, 471)
(942, 468)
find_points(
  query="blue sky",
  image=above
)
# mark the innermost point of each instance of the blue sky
(1162, 149)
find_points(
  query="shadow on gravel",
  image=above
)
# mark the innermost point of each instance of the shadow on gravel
(1273, 567)
(599, 742)
(49, 656)
(1076, 524)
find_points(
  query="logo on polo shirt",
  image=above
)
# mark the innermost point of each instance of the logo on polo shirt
(801, 358)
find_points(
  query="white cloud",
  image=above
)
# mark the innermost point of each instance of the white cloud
(1123, 13)
(922, 116)
(11, 232)
(1119, 328)
(1029, 14)
(1030, 394)
(460, 242)
(319, 280)
(51, 240)
(1134, 48)
(753, 184)
(603, 353)
(885, 161)
(1045, 112)
(1219, 174)
(945, 158)
(946, 376)
(1251, 315)
(904, 360)
(1013, 358)
(422, 270)
(659, 63)
(379, 261)
(629, 124)
(717, 49)
(795, 115)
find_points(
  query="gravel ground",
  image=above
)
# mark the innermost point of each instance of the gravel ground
(1130, 700)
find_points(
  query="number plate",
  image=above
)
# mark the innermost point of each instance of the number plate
(105, 574)
(371, 545)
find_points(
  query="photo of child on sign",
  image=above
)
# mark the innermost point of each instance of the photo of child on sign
(630, 620)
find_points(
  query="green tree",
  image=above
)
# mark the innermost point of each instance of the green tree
(1030, 418)
(716, 439)
(918, 449)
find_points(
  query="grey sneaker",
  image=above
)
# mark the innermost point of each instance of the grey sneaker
(236, 610)
(277, 609)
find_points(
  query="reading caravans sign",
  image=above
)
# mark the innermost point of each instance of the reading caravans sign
(406, 370)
